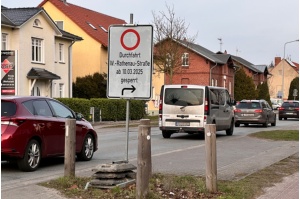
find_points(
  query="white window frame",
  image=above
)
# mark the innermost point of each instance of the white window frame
(61, 90)
(61, 52)
(4, 41)
(216, 82)
(212, 82)
(37, 50)
(60, 24)
(168, 60)
(185, 59)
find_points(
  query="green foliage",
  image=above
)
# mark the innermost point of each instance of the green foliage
(294, 85)
(263, 92)
(244, 87)
(115, 109)
(90, 86)
(111, 109)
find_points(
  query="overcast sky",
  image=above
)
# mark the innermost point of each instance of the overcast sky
(255, 30)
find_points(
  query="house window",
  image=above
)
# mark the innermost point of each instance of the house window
(229, 87)
(168, 60)
(185, 59)
(224, 69)
(216, 82)
(185, 81)
(212, 82)
(4, 41)
(61, 90)
(37, 50)
(60, 24)
(61, 53)
(36, 23)
(224, 83)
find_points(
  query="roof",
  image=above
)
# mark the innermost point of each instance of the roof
(40, 73)
(262, 68)
(84, 17)
(16, 17)
(202, 51)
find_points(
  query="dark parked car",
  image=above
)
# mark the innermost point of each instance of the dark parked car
(34, 127)
(254, 112)
(289, 109)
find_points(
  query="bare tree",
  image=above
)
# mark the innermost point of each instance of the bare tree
(170, 35)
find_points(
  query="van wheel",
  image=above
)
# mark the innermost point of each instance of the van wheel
(166, 134)
(230, 130)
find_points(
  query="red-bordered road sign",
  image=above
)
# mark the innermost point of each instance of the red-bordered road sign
(130, 61)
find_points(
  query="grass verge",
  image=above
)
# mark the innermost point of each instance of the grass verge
(163, 186)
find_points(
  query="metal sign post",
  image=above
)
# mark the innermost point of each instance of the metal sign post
(130, 64)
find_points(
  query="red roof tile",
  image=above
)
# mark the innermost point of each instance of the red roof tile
(82, 16)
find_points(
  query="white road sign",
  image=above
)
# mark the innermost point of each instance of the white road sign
(130, 61)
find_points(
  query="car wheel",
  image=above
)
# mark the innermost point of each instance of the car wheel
(32, 157)
(230, 130)
(280, 118)
(237, 125)
(274, 123)
(166, 134)
(87, 150)
(266, 123)
(285, 118)
(246, 124)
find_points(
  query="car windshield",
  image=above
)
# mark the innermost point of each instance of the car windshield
(8, 108)
(290, 104)
(184, 96)
(248, 105)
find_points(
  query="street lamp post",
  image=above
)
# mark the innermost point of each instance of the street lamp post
(282, 89)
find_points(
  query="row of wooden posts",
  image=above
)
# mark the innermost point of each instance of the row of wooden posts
(144, 162)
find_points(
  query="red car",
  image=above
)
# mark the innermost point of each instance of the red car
(34, 127)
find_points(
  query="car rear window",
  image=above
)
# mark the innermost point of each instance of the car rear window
(8, 108)
(184, 96)
(290, 104)
(248, 105)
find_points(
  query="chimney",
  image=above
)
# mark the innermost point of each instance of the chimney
(277, 60)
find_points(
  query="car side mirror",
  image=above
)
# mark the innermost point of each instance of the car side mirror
(79, 116)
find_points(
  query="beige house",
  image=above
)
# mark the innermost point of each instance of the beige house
(39, 64)
(289, 69)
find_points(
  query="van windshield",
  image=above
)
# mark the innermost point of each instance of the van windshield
(184, 96)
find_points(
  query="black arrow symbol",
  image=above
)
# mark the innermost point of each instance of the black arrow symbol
(132, 89)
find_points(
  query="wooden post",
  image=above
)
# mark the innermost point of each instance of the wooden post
(70, 147)
(211, 158)
(144, 163)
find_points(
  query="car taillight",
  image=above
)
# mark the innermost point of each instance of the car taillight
(280, 108)
(258, 111)
(297, 109)
(14, 121)
(237, 110)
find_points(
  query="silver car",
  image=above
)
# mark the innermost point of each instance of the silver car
(254, 112)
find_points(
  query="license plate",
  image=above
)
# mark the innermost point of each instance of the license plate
(290, 113)
(247, 114)
(182, 124)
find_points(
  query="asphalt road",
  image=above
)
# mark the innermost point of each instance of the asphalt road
(237, 155)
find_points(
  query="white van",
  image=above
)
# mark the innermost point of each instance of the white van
(188, 108)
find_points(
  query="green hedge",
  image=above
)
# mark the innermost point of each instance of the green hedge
(111, 109)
